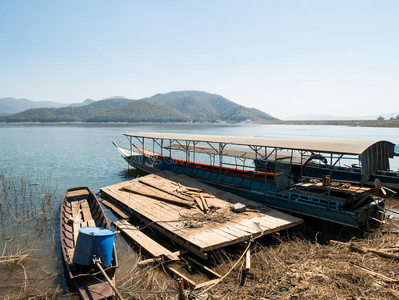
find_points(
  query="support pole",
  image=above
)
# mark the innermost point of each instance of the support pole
(248, 260)
(180, 284)
(97, 262)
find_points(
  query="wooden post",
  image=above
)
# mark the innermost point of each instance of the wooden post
(180, 284)
(248, 260)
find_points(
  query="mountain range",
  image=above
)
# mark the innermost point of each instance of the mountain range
(182, 106)
(10, 105)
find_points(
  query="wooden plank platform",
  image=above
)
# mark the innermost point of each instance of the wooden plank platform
(192, 228)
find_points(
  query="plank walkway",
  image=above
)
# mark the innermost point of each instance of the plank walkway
(154, 249)
(188, 225)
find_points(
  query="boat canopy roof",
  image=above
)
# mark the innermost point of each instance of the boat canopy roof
(374, 155)
(243, 152)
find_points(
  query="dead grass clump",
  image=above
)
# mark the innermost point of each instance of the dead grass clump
(301, 269)
(142, 283)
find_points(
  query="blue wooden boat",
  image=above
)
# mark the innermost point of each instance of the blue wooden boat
(227, 163)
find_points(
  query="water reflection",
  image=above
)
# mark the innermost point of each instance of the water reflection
(131, 173)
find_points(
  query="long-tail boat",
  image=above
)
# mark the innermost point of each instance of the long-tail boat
(228, 163)
(80, 209)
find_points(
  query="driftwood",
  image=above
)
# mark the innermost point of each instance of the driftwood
(375, 274)
(149, 261)
(389, 249)
(365, 250)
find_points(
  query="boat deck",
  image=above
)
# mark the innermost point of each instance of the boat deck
(193, 214)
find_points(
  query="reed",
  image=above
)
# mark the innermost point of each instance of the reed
(26, 227)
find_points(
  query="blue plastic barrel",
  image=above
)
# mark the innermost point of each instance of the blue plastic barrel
(94, 240)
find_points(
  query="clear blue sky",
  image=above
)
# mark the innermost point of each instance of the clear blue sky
(283, 57)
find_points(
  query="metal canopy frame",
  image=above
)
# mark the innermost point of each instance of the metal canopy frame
(373, 155)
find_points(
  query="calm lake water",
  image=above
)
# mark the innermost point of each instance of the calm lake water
(83, 155)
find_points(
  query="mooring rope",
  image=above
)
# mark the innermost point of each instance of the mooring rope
(98, 249)
(231, 269)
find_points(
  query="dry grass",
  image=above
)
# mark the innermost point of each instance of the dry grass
(287, 268)
(146, 283)
(300, 269)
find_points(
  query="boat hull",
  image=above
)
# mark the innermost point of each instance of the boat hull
(80, 208)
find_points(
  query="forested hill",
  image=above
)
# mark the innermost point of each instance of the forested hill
(185, 106)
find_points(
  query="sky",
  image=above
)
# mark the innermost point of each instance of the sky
(285, 58)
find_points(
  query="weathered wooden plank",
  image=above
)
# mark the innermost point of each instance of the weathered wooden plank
(85, 210)
(158, 184)
(121, 213)
(151, 246)
(77, 195)
(138, 190)
(75, 209)
(199, 203)
(76, 227)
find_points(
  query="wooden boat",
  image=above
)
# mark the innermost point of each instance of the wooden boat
(80, 208)
(221, 161)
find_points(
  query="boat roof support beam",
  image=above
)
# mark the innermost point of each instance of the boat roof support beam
(221, 148)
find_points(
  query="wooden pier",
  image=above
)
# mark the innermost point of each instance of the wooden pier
(195, 215)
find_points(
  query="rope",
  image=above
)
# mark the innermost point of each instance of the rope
(98, 249)
(189, 220)
(232, 268)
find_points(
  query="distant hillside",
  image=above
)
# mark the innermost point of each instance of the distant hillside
(185, 106)
(321, 117)
(64, 114)
(86, 102)
(12, 105)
